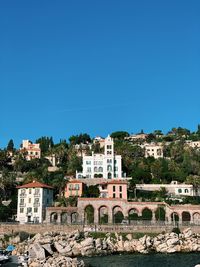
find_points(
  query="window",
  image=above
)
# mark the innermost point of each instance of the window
(88, 162)
(22, 201)
(37, 191)
(109, 147)
(29, 191)
(88, 169)
(109, 168)
(179, 191)
(109, 160)
(95, 169)
(77, 186)
(21, 210)
(120, 188)
(70, 186)
(186, 191)
(113, 195)
(37, 200)
(113, 188)
(29, 200)
(35, 210)
(120, 195)
(109, 152)
(29, 210)
(100, 169)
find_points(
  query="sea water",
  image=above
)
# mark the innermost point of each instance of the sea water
(150, 260)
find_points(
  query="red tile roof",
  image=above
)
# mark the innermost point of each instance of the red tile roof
(35, 184)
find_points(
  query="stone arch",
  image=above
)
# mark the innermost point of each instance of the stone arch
(89, 214)
(196, 218)
(74, 217)
(186, 216)
(174, 217)
(63, 217)
(133, 214)
(118, 215)
(160, 213)
(103, 215)
(147, 214)
(54, 217)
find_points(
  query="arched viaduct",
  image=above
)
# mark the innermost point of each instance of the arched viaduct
(105, 208)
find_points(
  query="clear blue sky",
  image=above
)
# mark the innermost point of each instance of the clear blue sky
(98, 66)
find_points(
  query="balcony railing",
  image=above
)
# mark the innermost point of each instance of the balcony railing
(35, 205)
(36, 194)
(22, 204)
(23, 195)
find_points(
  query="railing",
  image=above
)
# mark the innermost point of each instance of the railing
(23, 195)
(22, 205)
(36, 194)
(36, 205)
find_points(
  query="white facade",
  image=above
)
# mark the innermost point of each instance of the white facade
(193, 144)
(174, 188)
(32, 201)
(107, 165)
(32, 150)
(153, 150)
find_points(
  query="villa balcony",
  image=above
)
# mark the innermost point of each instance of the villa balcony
(23, 195)
(37, 195)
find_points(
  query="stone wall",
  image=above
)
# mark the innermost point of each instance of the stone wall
(41, 228)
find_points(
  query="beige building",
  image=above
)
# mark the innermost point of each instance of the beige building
(153, 150)
(31, 150)
(193, 144)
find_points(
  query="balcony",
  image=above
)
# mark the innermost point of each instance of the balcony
(36, 205)
(36, 194)
(23, 195)
(22, 205)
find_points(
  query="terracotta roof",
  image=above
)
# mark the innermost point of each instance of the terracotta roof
(114, 182)
(74, 181)
(35, 184)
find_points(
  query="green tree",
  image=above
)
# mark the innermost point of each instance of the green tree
(10, 146)
(120, 135)
(45, 143)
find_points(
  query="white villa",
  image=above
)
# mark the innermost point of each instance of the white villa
(153, 150)
(107, 165)
(32, 150)
(173, 189)
(33, 198)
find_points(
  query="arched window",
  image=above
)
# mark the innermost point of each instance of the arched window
(109, 168)
(95, 169)
(100, 169)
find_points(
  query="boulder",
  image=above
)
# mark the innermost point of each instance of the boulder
(36, 251)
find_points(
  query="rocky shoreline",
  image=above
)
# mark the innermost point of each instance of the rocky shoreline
(62, 249)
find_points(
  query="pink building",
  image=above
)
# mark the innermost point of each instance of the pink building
(113, 189)
(74, 188)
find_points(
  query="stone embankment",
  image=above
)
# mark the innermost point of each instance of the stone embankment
(60, 249)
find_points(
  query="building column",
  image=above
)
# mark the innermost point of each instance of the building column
(96, 216)
(59, 217)
(191, 218)
(110, 216)
(153, 216)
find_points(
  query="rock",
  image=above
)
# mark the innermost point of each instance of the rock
(129, 237)
(37, 251)
(47, 247)
(187, 233)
